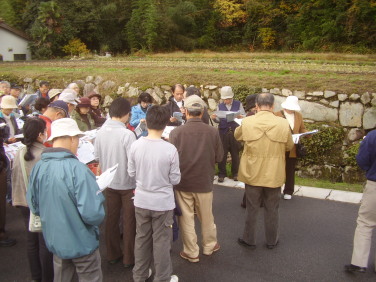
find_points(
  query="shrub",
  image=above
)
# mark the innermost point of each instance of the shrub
(324, 147)
(242, 91)
(75, 47)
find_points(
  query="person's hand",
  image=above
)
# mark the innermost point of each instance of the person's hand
(172, 119)
(213, 116)
(142, 120)
(240, 116)
(12, 140)
(182, 110)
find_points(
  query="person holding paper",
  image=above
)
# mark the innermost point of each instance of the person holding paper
(81, 115)
(291, 112)
(55, 110)
(95, 109)
(266, 139)
(138, 113)
(44, 87)
(62, 191)
(199, 147)
(40, 258)
(176, 105)
(226, 132)
(155, 165)
(112, 146)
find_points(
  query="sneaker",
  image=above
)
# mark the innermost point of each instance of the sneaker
(221, 179)
(215, 248)
(188, 258)
(355, 268)
(174, 278)
(150, 273)
(287, 197)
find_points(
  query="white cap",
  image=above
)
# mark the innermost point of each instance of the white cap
(69, 96)
(64, 127)
(226, 92)
(291, 103)
(8, 102)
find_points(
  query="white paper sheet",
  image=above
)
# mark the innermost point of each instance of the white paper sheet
(85, 152)
(105, 179)
(296, 137)
(167, 131)
(89, 135)
(238, 120)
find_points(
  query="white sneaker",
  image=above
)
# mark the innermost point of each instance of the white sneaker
(174, 278)
(287, 197)
(150, 273)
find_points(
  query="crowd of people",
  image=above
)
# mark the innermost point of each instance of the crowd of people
(160, 185)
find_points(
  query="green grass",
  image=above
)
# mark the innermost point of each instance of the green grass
(311, 182)
(318, 183)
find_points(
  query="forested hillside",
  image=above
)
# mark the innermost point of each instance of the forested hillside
(124, 26)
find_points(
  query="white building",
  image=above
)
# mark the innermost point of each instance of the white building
(13, 44)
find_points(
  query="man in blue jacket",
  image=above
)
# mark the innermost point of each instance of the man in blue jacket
(366, 221)
(62, 191)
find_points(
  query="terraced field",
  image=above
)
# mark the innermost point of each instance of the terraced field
(303, 71)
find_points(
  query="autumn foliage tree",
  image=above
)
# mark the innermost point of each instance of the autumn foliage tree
(76, 47)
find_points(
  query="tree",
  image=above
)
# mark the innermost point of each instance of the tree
(75, 47)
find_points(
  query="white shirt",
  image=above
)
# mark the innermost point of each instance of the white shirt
(290, 118)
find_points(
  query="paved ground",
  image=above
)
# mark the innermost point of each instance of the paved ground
(315, 243)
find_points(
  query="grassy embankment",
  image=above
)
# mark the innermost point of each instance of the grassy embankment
(343, 73)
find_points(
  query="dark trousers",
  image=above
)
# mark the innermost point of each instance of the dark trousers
(40, 258)
(153, 242)
(270, 198)
(290, 175)
(3, 210)
(9, 184)
(120, 201)
(229, 144)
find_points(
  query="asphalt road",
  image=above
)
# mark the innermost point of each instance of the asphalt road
(315, 243)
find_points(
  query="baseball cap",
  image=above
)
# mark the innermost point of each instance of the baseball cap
(194, 102)
(60, 105)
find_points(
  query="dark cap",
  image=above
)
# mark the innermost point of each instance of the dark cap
(94, 94)
(60, 104)
(84, 103)
(16, 86)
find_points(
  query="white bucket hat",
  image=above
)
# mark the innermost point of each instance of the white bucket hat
(291, 103)
(8, 102)
(64, 127)
(226, 92)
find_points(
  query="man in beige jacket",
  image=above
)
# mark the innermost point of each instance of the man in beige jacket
(266, 139)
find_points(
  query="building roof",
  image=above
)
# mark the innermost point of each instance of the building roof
(13, 30)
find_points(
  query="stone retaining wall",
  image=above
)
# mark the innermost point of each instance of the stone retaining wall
(356, 113)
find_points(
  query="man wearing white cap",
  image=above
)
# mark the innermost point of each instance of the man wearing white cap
(62, 191)
(226, 131)
(290, 112)
(69, 96)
